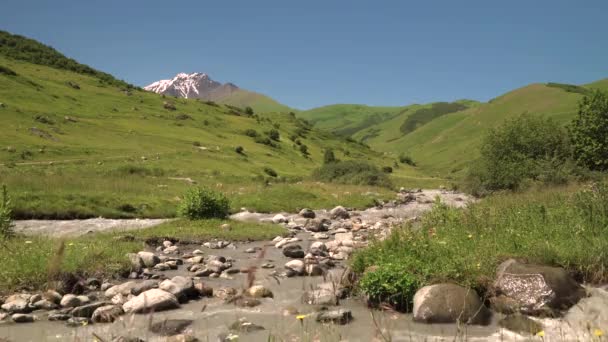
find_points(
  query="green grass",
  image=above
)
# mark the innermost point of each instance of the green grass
(28, 261)
(560, 226)
(76, 163)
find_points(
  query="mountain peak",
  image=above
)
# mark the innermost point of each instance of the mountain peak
(194, 85)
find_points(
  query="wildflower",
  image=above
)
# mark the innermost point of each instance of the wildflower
(470, 236)
(541, 333)
(598, 333)
(478, 265)
(28, 242)
(71, 244)
(301, 317)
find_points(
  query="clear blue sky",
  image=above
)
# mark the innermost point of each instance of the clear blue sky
(316, 52)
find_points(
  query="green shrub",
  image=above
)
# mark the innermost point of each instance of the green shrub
(251, 133)
(589, 132)
(352, 172)
(329, 156)
(527, 148)
(274, 135)
(387, 169)
(390, 284)
(269, 171)
(406, 159)
(202, 203)
(264, 141)
(239, 149)
(304, 149)
(569, 88)
(249, 111)
(6, 223)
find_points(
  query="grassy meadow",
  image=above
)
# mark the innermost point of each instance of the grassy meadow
(99, 150)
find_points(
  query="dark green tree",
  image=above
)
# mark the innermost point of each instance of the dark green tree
(329, 156)
(589, 131)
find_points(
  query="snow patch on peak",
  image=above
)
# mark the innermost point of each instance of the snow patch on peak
(185, 85)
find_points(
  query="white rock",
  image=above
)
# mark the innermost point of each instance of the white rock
(151, 300)
(296, 266)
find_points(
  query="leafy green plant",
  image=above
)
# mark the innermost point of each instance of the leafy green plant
(251, 133)
(392, 284)
(274, 135)
(203, 203)
(239, 149)
(329, 156)
(589, 131)
(387, 169)
(6, 223)
(523, 149)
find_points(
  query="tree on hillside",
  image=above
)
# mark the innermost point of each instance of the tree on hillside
(249, 111)
(329, 156)
(589, 131)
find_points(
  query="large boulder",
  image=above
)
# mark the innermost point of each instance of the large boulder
(259, 291)
(449, 303)
(151, 300)
(148, 259)
(534, 289)
(181, 287)
(339, 212)
(144, 286)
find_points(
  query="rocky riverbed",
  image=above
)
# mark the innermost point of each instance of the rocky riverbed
(295, 287)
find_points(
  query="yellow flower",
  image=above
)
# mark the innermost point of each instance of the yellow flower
(28, 241)
(478, 265)
(71, 244)
(301, 317)
(541, 333)
(470, 236)
(598, 333)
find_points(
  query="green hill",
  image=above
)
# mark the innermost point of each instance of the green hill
(447, 144)
(76, 145)
(259, 102)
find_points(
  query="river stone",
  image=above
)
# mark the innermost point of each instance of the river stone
(295, 265)
(58, 316)
(341, 316)
(316, 225)
(16, 306)
(449, 303)
(534, 289)
(318, 248)
(144, 286)
(52, 296)
(124, 289)
(70, 301)
(22, 318)
(203, 290)
(3, 315)
(45, 304)
(167, 244)
(151, 300)
(182, 338)
(520, 324)
(86, 310)
(244, 326)
(259, 291)
(293, 251)
(279, 218)
(342, 237)
(339, 212)
(307, 213)
(323, 294)
(170, 327)
(148, 258)
(107, 314)
(181, 287)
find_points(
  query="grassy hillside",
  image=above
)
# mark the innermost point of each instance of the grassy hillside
(72, 146)
(259, 102)
(445, 145)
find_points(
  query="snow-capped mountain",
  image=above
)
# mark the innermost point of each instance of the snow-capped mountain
(200, 86)
(195, 85)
